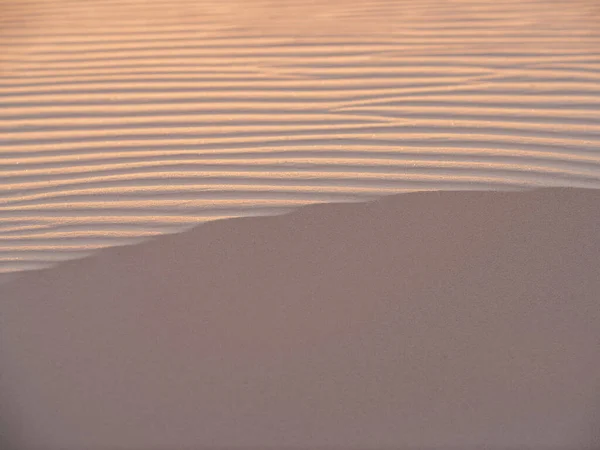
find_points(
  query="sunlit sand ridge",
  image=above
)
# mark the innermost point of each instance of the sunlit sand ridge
(122, 120)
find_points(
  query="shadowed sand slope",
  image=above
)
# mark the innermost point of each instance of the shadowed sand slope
(425, 319)
(125, 119)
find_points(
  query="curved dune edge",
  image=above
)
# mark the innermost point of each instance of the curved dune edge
(422, 320)
(125, 119)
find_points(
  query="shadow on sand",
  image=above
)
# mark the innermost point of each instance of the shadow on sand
(438, 320)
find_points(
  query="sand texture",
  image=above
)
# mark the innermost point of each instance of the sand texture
(437, 320)
(120, 120)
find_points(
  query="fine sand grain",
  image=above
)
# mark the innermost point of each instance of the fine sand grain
(121, 120)
(439, 320)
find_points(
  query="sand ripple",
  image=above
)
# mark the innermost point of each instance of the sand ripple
(123, 120)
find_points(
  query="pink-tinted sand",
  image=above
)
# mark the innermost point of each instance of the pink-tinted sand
(442, 320)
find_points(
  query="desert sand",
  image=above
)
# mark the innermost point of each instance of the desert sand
(164, 285)
(424, 320)
(121, 120)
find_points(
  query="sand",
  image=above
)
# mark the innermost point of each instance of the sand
(123, 120)
(423, 320)
(462, 316)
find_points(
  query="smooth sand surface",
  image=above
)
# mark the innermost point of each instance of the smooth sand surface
(425, 320)
(124, 119)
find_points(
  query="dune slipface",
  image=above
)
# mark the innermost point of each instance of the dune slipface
(423, 320)
(123, 120)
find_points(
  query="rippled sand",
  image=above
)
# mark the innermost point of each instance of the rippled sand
(122, 120)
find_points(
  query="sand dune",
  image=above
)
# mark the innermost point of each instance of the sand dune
(121, 120)
(432, 319)
(423, 320)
